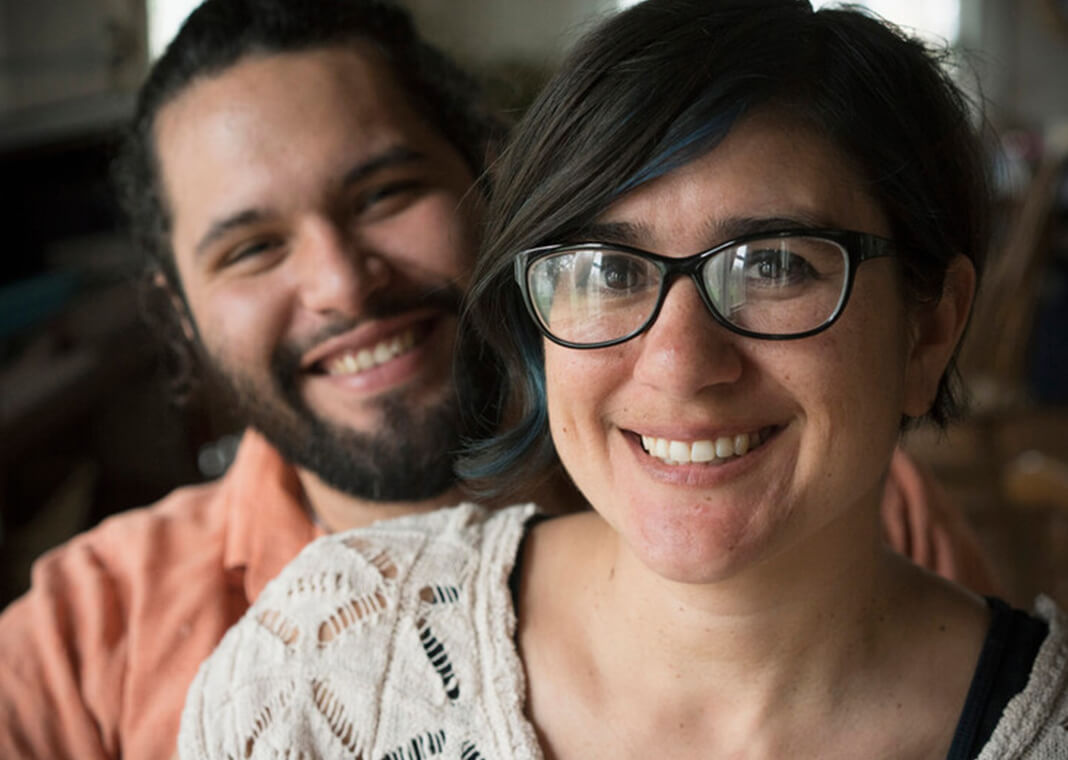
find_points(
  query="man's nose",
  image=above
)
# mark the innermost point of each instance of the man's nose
(685, 350)
(336, 273)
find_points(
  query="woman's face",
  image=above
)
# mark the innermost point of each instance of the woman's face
(819, 416)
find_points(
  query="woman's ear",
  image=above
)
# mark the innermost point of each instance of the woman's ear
(937, 329)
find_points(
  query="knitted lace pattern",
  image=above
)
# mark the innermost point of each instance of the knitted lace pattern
(391, 642)
(396, 642)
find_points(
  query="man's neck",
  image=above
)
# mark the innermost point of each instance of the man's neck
(336, 511)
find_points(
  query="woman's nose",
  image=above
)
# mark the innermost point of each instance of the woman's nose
(685, 350)
(336, 274)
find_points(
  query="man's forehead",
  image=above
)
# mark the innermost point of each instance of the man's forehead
(273, 124)
(298, 90)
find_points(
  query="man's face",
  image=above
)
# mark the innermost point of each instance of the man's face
(322, 248)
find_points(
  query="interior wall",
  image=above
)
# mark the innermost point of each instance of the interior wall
(485, 33)
(1016, 48)
(1040, 88)
(4, 77)
(1020, 52)
(57, 50)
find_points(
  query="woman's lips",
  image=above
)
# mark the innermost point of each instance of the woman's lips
(708, 451)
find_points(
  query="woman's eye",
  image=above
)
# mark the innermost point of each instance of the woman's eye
(778, 266)
(621, 273)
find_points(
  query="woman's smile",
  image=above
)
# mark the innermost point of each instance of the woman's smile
(706, 451)
(696, 463)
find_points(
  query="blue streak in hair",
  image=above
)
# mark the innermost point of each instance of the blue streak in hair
(509, 448)
(699, 129)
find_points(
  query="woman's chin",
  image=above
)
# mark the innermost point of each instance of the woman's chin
(693, 547)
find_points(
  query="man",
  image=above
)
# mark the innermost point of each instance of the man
(301, 177)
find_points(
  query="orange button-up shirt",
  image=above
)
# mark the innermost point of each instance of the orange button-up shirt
(96, 658)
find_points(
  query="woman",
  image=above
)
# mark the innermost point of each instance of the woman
(733, 249)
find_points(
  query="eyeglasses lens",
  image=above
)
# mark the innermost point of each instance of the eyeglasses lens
(774, 287)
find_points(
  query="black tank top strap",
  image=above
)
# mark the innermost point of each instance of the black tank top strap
(1005, 663)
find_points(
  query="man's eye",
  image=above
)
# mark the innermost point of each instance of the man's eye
(248, 252)
(387, 197)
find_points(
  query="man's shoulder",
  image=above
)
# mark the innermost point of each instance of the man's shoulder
(191, 512)
(181, 534)
(113, 627)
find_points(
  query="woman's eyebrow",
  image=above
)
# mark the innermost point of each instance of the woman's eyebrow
(626, 233)
(721, 230)
(716, 231)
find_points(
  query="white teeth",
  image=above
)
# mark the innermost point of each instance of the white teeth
(702, 451)
(682, 452)
(349, 363)
(660, 448)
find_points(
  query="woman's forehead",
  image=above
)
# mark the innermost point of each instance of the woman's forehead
(768, 168)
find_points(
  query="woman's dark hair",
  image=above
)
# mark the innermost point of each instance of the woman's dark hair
(220, 33)
(661, 84)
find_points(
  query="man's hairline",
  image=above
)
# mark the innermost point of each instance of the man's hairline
(360, 45)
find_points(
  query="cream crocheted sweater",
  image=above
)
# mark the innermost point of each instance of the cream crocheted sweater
(395, 642)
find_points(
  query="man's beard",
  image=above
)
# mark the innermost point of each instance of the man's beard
(410, 456)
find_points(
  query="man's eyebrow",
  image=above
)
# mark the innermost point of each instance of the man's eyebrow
(395, 156)
(222, 226)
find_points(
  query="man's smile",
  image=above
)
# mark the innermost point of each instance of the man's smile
(351, 361)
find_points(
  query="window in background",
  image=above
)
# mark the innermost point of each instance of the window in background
(937, 21)
(934, 20)
(164, 19)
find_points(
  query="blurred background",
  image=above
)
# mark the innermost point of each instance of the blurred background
(88, 422)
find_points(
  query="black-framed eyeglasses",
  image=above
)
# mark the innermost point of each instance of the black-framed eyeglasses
(778, 285)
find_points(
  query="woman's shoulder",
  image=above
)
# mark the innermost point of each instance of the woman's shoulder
(1034, 725)
(357, 624)
(466, 526)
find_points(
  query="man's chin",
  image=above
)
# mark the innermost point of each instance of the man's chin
(406, 456)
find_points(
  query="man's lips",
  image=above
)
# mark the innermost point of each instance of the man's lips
(352, 362)
(370, 344)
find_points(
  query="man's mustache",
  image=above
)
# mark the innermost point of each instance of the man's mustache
(285, 362)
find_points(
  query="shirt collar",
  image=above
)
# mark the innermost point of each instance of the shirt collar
(267, 523)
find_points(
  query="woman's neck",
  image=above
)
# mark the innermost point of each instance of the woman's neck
(805, 614)
(810, 633)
